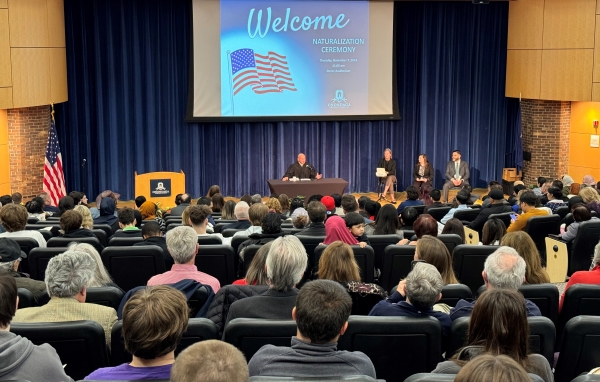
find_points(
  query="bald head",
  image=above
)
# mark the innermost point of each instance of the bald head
(301, 158)
(241, 211)
(504, 269)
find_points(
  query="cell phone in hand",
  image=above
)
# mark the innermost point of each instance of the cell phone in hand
(513, 216)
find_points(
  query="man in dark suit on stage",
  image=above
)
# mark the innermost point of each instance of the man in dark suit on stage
(301, 169)
(457, 174)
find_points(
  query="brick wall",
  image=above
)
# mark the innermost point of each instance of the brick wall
(546, 127)
(27, 137)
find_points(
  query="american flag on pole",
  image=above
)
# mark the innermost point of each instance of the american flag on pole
(54, 178)
(266, 74)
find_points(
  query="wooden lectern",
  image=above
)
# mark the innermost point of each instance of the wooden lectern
(160, 187)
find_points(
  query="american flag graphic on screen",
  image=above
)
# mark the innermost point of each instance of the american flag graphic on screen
(54, 178)
(265, 74)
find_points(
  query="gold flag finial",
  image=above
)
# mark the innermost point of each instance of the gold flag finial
(52, 112)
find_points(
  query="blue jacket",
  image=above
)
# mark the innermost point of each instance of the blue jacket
(464, 308)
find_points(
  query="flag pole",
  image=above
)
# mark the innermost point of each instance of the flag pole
(230, 81)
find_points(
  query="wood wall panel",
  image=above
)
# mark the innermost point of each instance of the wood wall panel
(56, 23)
(567, 74)
(6, 100)
(523, 72)
(598, 7)
(5, 79)
(525, 24)
(569, 24)
(58, 75)
(596, 92)
(3, 3)
(28, 21)
(31, 76)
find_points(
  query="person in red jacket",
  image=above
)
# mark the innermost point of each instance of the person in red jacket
(584, 277)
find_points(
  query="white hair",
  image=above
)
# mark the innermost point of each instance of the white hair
(241, 210)
(505, 269)
(423, 285)
(68, 273)
(101, 277)
(286, 263)
(181, 243)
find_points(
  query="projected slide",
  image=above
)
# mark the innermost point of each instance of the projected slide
(301, 59)
(292, 58)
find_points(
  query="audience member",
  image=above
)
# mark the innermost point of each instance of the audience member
(588, 181)
(35, 208)
(256, 273)
(10, 259)
(335, 229)
(107, 214)
(17, 198)
(497, 205)
(6, 199)
(321, 313)
(186, 200)
(241, 213)
(246, 198)
(372, 209)
(503, 269)
(435, 195)
(105, 194)
(416, 296)
(499, 326)
(286, 263)
(489, 368)
(493, 231)
(329, 204)
(21, 359)
(386, 222)
(14, 219)
(48, 207)
(284, 201)
(361, 205)
(217, 202)
(299, 218)
(356, 225)
(527, 202)
(433, 251)
(424, 225)
(148, 213)
(204, 201)
(210, 361)
(228, 212)
(271, 230)
(337, 199)
(177, 199)
(574, 190)
(584, 277)
(256, 198)
(214, 189)
(454, 226)
(408, 217)
(591, 198)
(580, 215)
(540, 183)
(67, 279)
(412, 199)
(317, 213)
(296, 203)
(153, 236)
(274, 206)
(66, 203)
(554, 195)
(154, 320)
(70, 224)
(127, 224)
(256, 213)
(139, 200)
(199, 221)
(182, 243)
(567, 182)
(87, 222)
(522, 243)
(461, 198)
(100, 277)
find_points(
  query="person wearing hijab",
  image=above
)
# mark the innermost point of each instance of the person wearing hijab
(104, 194)
(107, 208)
(567, 182)
(589, 181)
(336, 230)
(148, 211)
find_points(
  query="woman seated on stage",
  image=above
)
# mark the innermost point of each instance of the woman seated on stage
(386, 222)
(423, 174)
(389, 165)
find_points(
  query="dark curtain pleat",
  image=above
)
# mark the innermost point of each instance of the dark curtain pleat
(128, 70)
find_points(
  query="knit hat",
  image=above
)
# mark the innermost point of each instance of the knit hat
(329, 203)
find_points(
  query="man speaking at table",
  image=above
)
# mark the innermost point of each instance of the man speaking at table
(301, 170)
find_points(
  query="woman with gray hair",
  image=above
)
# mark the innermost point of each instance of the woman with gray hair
(101, 278)
(416, 296)
(286, 264)
(584, 277)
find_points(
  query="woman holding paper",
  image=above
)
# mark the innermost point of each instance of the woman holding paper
(389, 165)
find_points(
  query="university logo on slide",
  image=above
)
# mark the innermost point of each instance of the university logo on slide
(339, 101)
(266, 74)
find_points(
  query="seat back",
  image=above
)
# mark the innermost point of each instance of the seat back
(385, 340)
(249, 254)
(378, 243)
(467, 215)
(468, 260)
(124, 241)
(236, 241)
(452, 293)
(310, 243)
(562, 211)
(38, 261)
(106, 296)
(197, 300)
(104, 227)
(133, 266)
(250, 334)
(209, 240)
(363, 256)
(542, 336)
(580, 299)
(582, 249)
(538, 227)
(26, 243)
(198, 330)
(439, 212)
(419, 209)
(362, 303)
(545, 296)
(101, 235)
(32, 220)
(451, 241)
(26, 299)
(218, 261)
(172, 225)
(80, 345)
(504, 216)
(397, 261)
(579, 351)
(231, 231)
(65, 241)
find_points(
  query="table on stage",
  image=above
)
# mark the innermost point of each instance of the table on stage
(323, 186)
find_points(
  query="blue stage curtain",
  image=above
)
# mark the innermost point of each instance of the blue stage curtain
(128, 69)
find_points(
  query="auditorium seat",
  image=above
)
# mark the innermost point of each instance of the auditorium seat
(231, 231)
(81, 345)
(310, 243)
(579, 351)
(398, 346)
(504, 216)
(105, 227)
(65, 241)
(38, 261)
(467, 215)
(378, 243)
(397, 261)
(538, 227)
(250, 334)
(198, 330)
(26, 299)
(580, 299)
(236, 241)
(451, 241)
(219, 261)
(249, 253)
(542, 336)
(101, 235)
(32, 220)
(468, 261)
(562, 211)
(581, 249)
(227, 295)
(209, 240)
(419, 209)
(124, 241)
(363, 256)
(133, 266)
(545, 296)
(438, 212)
(26, 244)
(222, 223)
(170, 226)
(452, 293)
